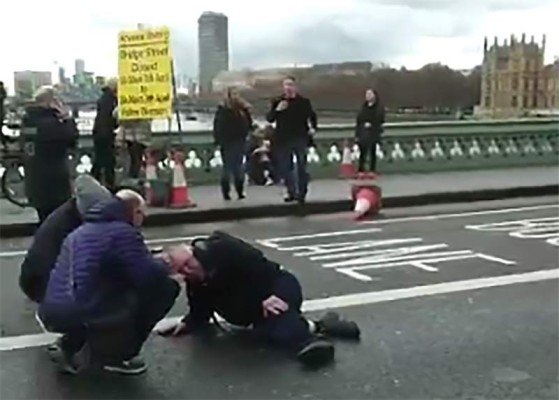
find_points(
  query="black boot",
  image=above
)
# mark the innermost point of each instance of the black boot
(225, 189)
(332, 325)
(317, 353)
(239, 187)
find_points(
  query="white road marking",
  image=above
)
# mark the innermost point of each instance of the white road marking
(535, 228)
(348, 300)
(435, 217)
(273, 242)
(21, 253)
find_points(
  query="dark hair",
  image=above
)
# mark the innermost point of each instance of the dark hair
(290, 77)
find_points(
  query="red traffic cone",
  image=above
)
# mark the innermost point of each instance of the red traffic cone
(178, 197)
(150, 177)
(347, 169)
(367, 201)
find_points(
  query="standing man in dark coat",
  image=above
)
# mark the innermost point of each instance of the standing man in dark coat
(104, 135)
(50, 133)
(368, 129)
(292, 114)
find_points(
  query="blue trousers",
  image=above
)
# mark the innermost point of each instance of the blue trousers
(289, 330)
(296, 182)
(233, 167)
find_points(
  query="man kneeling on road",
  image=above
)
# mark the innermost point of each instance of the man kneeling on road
(48, 238)
(232, 278)
(107, 291)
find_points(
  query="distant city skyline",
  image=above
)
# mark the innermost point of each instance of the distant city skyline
(396, 32)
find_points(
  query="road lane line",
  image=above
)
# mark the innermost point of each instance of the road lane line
(434, 217)
(348, 300)
(21, 253)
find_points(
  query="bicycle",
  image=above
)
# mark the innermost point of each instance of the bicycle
(12, 183)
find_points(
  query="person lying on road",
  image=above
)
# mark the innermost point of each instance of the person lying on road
(227, 276)
(107, 291)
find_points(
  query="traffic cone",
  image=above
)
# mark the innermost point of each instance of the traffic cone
(347, 169)
(150, 177)
(178, 197)
(367, 200)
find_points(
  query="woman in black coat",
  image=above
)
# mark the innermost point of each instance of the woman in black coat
(368, 129)
(232, 124)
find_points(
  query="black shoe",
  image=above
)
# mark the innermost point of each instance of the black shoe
(316, 354)
(301, 201)
(289, 199)
(134, 366)
(241, 196)
(70, 362)
(226, 197)
(54, 350)
(332, 325)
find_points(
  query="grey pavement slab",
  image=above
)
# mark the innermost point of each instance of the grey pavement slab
(498, 343)
(209, 197)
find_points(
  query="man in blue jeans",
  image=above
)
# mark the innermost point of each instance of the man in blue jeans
(227, 276)
(292, 114)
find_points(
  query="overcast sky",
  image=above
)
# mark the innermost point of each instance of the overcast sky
(37, 33)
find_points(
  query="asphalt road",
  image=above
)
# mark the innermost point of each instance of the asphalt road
(454, 302)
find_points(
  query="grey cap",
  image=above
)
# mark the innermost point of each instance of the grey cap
(88, 192)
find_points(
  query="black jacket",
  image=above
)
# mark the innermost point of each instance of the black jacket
(293, 122)
(42, 254)
(239, 279)
(105, 121)
(48, 140)
(374, 115)
(231, 126)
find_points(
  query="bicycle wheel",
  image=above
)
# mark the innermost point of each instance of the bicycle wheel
(13, 185)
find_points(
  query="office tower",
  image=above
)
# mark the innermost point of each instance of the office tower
(213, 48)
(80, 67)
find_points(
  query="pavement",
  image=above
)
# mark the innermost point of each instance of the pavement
(454, 301)
(330, 196)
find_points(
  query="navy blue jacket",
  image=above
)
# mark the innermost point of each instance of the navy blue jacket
(104, 250)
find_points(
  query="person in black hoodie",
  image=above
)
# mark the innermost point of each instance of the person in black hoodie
(292, 114)
(42, 254)
(368, 129)
(232, 124)
(226, 275)
(51, 132)
(104, 135)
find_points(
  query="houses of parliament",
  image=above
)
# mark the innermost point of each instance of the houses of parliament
(515, 80)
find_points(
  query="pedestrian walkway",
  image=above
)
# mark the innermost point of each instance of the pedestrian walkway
(209, 198)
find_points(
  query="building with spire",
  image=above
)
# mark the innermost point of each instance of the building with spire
(515, 81)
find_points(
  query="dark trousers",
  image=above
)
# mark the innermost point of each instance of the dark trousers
(285, 153)
(233, 167)
(289, 330)
(368, 149)
(118, 330)
(136, 153)
(104, 161)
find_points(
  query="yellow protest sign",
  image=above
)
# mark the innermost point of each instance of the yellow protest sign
(144, 74)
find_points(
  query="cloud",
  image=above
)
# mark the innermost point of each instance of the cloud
(410, 32)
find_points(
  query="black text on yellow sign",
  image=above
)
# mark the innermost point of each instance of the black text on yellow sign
(144, 74)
